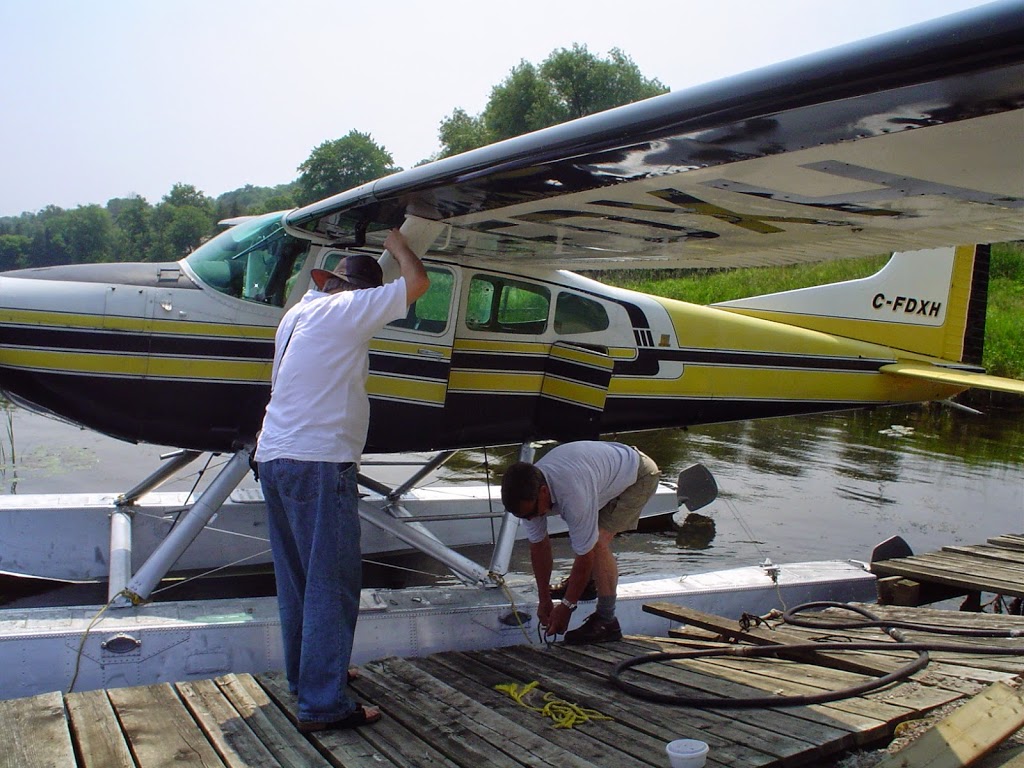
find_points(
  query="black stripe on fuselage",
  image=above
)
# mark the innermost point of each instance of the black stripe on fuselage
(499, 361)
(416, 367)
(647, 361)
(129, 342)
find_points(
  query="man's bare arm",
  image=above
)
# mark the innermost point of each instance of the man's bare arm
(416, 280)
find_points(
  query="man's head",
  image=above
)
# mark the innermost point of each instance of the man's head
(524, 491)
(354, 271)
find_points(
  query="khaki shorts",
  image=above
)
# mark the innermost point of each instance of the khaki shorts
(623, 512)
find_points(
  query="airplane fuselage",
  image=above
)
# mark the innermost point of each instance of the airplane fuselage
(180, 354)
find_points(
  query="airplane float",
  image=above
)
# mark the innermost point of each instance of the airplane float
(910, 143)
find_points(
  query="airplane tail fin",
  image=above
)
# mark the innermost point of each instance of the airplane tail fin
(929, 303)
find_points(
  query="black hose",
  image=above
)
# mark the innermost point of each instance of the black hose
(903, 672)
(790, 617)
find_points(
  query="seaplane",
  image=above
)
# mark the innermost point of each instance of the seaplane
(911, 143)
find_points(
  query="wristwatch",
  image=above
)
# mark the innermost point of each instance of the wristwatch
(567, 604)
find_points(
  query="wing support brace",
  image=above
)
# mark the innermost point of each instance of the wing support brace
(141, 586)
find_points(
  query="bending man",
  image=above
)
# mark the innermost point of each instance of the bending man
(313, 436)
(599, 489)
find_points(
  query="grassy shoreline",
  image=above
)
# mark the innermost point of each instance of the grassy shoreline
(1004, 323)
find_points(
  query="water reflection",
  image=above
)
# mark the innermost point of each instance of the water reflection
(796, 488)
(697, 531)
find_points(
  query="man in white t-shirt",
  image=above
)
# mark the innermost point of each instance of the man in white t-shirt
(313, 435)
(599, 489)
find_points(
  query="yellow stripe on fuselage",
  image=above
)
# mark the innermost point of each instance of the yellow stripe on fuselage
(80, 321)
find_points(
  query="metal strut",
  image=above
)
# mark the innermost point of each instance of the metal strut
(394, 519)
(177, 541)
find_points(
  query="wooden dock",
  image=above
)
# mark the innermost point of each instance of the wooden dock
(996, 567)
(444, 710)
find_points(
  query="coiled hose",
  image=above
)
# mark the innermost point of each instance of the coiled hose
(892, 628)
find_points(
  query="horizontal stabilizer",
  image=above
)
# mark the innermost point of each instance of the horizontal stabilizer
(956, 378)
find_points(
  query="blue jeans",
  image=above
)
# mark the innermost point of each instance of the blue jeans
(314, 537)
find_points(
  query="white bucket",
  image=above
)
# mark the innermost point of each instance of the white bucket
(687, 753)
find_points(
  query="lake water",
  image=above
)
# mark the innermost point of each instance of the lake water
(801, 488)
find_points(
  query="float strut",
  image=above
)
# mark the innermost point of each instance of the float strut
(178, 540)
(506, 540)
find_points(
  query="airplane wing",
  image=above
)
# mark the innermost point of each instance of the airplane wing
(905, 141)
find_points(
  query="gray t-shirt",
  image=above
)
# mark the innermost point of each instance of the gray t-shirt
(583, 476)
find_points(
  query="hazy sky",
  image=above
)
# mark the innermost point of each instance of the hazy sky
(117, 97)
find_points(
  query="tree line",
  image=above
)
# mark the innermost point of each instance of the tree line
(569, 83)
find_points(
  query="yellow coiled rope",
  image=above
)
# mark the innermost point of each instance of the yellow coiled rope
(564, 713)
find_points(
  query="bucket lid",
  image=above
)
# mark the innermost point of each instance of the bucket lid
(687, 747)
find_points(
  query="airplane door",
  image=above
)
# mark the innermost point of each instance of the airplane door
(410, 367)
(573, 391)
(125, 322)
(528, 361)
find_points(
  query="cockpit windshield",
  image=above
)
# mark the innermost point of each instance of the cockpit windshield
(253, 260)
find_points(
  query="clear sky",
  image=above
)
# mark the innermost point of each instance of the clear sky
(119, 97)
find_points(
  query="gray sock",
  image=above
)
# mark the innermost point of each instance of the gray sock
(606, 607)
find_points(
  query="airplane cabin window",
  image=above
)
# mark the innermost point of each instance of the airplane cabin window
(429, 313)
(578, 314)
(252, 260)
(507, 306)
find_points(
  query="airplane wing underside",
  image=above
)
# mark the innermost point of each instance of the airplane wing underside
(906, 141)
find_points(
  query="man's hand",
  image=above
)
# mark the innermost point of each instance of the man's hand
(558, 620)
(544, 608)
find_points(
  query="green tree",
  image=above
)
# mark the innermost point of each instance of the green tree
(182, 195)
(569, 84)
(132, 220)
(14, 251)
(183, 219)
(461, 132)
(342, 164)
(89, 234)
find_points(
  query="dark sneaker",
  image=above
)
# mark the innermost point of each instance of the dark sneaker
(558, 590)
(594, 630)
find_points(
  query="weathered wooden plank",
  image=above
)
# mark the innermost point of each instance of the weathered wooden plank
(971, 571)
(277, 733)
(34, 733)
(973, 729)
(354, 748)
(762, 636)
(734, 742)
(922, 571)
(459, 725)
(871, 716)
(234, 741)
(992, 553)
(939, 616)
(160, 730)
(1003, 757)
(1008, 540)
(97, 732)
(824, 734)
(468, 673)
(985, 568)
(803, 733)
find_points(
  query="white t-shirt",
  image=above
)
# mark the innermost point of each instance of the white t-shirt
(583, 476)
(319, 409)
